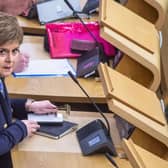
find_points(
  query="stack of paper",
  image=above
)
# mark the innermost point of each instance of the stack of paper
(50, 67)
(46, 118)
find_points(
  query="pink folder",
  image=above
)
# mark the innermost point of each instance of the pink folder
(61, 34)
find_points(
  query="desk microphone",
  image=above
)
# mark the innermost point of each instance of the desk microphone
(94, 137)
(91, 100)
(87, 63)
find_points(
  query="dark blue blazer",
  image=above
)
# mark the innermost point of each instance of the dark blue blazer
(11, 132)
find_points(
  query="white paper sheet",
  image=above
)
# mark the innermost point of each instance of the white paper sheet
(46, 118)
(50, 67)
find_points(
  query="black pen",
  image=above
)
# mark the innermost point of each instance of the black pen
(108, 156)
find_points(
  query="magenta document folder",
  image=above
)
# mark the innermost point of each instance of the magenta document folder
(60, 36)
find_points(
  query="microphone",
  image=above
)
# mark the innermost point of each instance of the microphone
(91, 100)
(95, 137)
(97, 54)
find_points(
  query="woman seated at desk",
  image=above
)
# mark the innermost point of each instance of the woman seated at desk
(12, 132)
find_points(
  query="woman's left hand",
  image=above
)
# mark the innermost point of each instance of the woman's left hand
(42, 107)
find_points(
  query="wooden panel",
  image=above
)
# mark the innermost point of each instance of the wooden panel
(135, 71)
(144, 151)
(132, 154)
(131, 94)
(153, 10)
(31, 26)
(164, 61)
(141, 158)
(143, 9)
(149, 143)
(129, 25)
(149, 60)
(140, 121)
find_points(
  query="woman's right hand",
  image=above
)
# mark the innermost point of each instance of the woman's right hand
(31, 126)
(21, 63)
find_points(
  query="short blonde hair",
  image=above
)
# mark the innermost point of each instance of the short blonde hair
(10, 31)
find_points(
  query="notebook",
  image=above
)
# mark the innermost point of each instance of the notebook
(87, 63)
(57, 131)
(49, 119)
(53, 68)
(53, 10)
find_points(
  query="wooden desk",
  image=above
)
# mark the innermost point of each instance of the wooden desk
(32, 26)
(58, 89)
(39, 151)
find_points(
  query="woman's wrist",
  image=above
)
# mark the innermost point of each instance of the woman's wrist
(28, 104)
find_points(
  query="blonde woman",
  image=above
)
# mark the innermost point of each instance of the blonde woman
(12, 132)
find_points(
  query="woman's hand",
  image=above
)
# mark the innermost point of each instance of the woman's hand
(22, 63)
(31, 126)
(42, 107)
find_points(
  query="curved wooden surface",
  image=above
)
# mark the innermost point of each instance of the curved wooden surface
(132, 94)
(145, 151)
(133, 35)
(161, 7)
(152, 10)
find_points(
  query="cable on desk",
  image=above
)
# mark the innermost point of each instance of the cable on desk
(109, 157)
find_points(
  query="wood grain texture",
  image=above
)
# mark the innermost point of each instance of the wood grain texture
(135, 36)
(60, 89)
(39, 151)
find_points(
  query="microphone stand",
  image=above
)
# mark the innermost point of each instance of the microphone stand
(92, 101)
(108, 156)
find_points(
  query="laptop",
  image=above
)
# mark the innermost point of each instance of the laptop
(53, 10)
(90, 6)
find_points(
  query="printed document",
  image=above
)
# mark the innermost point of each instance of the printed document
(49, 67)
(46, 118)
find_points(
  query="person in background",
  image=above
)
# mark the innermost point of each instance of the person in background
(17, 7)
(14, 131)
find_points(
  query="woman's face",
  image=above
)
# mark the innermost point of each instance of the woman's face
(9, 53)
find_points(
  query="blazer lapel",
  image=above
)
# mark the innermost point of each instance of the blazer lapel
(4, 102)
